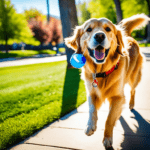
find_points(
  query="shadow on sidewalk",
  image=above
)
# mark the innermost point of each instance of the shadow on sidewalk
(139, 140)
(70, 91)
(147, 54)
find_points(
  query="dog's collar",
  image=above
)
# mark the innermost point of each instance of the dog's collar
(103, 74)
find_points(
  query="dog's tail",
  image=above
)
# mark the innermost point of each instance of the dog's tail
(134, 22)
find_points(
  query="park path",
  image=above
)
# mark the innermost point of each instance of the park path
(28, 61)
(132, 131)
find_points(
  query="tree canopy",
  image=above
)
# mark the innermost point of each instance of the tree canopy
(42, 30)
(12, 25)
(103, 8)
(132, 7)
(106, 8)
(34, 13)
(45, 33)
(85, 14)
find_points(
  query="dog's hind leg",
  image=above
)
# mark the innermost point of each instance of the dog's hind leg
(131, 103)
(133, 82)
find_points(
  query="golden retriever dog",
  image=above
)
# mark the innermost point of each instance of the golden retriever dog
(113, 58)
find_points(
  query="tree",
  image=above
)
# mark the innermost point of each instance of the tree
(69, 21)
(133, 7)
(85, 14)
(43, 31)
(47, 10)
(148, 26)
(36, 23)
(140, 6)
(34, 13)
(57, 30)
(104, 8)
(12, 25)
(148, 5)
(38, 30)
(118, 10)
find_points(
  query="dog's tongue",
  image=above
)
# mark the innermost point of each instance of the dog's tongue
(99, 54)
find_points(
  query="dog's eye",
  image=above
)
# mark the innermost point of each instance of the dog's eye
(89, 29)
(107, 29)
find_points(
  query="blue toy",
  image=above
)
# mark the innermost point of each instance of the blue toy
(77, 60)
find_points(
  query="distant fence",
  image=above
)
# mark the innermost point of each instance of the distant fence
(24, 46)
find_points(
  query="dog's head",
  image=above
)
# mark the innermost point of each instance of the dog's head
(98, 38)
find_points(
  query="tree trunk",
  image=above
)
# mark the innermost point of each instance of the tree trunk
(6, 40)
(148, 26)
(118, 10)
(69, 21)
(48, 16)
(148, 32)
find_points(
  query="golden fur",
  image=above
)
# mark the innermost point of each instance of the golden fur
(123, 48)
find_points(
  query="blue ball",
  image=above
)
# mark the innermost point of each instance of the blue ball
(77, 60)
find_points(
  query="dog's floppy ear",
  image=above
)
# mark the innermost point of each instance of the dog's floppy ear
(120, 42)
(74, 41)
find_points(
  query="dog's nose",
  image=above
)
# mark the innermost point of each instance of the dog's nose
(99, 37)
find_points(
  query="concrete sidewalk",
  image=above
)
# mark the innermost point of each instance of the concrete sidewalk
(28, 61)
(132, 131)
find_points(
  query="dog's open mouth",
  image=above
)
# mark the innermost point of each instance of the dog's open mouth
(99, 53)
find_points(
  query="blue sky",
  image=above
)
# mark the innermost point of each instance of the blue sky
(21, 5)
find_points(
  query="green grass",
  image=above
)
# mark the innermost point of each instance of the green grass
(144, 45)
(33, 96)
(30, 41)
(27, 53)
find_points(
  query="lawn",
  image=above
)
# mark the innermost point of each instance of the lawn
(144, 45)
(33, 96)
(28, 53)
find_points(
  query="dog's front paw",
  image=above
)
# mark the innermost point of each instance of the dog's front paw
(107, 142)
(90, 129)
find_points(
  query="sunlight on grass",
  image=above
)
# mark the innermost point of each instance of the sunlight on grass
(25, 53)
(62, 50)
(144, 45)
(32, 96)
(30, 41)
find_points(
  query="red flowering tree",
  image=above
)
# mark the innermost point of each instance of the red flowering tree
(56, 29)
(43, 31)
